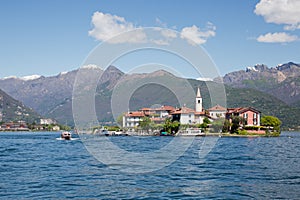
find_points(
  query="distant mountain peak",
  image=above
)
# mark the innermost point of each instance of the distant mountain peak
(23, 78)
(257, 68)
(113, 69)
(288, 65)
(30, 78)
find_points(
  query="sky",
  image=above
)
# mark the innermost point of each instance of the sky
(47, 37)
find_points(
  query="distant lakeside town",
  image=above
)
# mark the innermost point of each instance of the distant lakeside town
(167, 120)
(170, 121)
(45, 124)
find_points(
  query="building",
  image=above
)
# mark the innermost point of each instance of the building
(14, 126)
(186, 115)
(157, 115)
(47, 121)
(56, 128)
(217, 112)
(132, 119)
(250, 115)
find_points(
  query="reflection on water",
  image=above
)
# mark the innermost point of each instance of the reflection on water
(37, 166)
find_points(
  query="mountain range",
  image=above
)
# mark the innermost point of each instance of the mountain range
(274, 91)
(13, 110)
(281, 81)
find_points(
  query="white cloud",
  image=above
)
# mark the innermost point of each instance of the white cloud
(195, 35)
(161, 42)
(280, 37)
(168, 33)
(280, 12)
(106, 26)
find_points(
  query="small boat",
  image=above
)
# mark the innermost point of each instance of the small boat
(164, 133)
(66, 135)
(116, 133)
(190, 132)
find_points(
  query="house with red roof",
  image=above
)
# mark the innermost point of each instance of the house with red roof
(250, 115)
(186, 115)
(157, 115)
(217, 112)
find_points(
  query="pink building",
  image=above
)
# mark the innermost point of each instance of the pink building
(249, 114)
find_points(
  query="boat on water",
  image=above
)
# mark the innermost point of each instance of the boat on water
(164, 133)
(190, 132)
(115, 133)
(66, 135)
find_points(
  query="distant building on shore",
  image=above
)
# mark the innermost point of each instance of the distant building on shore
(157, 115)
(250, 115)
(47, 121)
(186, 115)
(189, 116)
(14, 126)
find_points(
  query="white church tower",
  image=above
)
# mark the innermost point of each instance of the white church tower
(198, 101)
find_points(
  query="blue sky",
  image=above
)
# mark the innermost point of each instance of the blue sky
(48, 37)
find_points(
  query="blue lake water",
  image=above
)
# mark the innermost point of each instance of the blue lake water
(37, 166)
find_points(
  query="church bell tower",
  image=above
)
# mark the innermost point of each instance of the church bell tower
(198, 101)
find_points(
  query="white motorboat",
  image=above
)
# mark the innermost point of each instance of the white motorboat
(190, 132)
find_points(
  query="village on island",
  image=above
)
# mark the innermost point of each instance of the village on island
(167, 120)
(184, 121)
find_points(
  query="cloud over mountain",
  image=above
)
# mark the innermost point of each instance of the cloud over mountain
(107, 26)
(195, 35)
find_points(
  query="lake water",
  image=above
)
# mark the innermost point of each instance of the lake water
(37, 166)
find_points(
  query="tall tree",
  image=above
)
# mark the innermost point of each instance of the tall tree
(271, 121)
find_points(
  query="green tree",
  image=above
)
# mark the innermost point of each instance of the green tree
(171, 127)
(271, 121)
(206, 120)
(218, 125)
(120, 120)
(236, 122)
(226, 126)
(145, 123)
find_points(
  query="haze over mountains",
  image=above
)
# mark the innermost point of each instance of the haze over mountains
(274, 91)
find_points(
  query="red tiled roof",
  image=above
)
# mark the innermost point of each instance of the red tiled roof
(183, 110)
(217, 108)
(241, 110)
(135, 114)
(145, 109)
(166, 108)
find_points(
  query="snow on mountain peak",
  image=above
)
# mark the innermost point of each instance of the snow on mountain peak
(204, 79)
(90, 66)
(30, 78)
(9, 77)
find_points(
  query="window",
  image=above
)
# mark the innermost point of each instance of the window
(199, 101)
(254, 121)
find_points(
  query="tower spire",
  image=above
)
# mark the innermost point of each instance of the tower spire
(198, 93)
(198, 101)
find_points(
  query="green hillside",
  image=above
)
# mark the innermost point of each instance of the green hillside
(13, 110)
